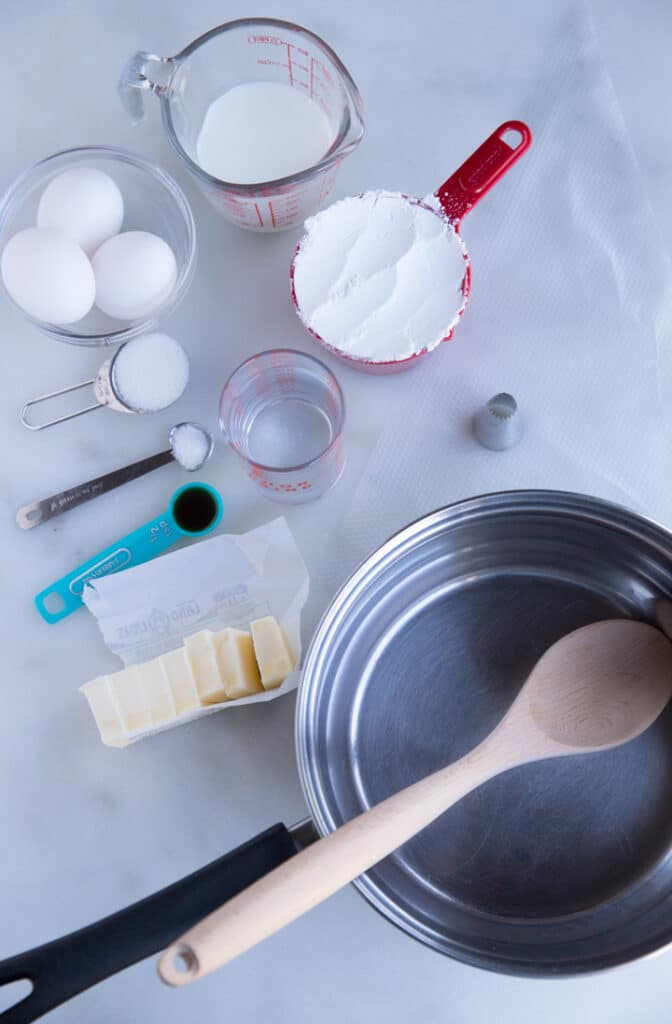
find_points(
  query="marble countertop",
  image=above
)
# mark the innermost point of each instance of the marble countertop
(87, 829)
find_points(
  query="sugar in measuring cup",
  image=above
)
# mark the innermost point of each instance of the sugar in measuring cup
(194, 511)
(382, 278)
(146, 374)
(221, 112)
(282, 412)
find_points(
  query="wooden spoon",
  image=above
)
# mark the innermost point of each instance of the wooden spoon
(594, 689)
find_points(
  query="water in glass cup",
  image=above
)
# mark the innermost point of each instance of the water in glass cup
(282, 412)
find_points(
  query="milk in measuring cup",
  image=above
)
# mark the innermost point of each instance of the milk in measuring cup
(261, 131)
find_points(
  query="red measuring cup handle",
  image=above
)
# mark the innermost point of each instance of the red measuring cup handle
(483, 169)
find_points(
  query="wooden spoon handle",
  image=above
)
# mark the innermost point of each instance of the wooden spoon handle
(323, 868)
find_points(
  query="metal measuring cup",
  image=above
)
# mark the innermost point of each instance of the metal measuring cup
(40, 511)
(106, 391)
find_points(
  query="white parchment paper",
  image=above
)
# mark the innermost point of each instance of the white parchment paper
(571, 312)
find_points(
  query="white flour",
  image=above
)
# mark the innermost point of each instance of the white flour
(380, 278)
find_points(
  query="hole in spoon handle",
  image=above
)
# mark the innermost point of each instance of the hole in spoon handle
(178, 966)
(483, 169)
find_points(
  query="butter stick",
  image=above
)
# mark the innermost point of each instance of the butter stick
(105, 711)
(131, 699)
(205, 668)
(237, 664)
(272, 652)
(158, 693)
(180, 678)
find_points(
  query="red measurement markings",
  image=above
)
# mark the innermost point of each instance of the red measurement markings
(274, 190)
(270, 210)
(289, 63)
(325, 73)
(261, 222)
(313, 78)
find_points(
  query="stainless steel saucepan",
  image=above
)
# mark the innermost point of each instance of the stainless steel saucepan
(558, 868)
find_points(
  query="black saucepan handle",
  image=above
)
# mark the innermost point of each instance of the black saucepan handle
(59, 970)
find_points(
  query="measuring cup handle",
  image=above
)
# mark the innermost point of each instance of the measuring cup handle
(65, 596)
(44, 399)
(483, 169)
(144, 72)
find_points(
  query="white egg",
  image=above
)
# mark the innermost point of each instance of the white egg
(85, 204)
(48, 275)
(135, 273)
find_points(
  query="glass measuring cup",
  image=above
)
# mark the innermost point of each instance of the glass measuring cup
(451, 201)
(250, 50)
(282, 412)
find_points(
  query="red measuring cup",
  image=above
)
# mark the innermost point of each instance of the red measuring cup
(456, 197)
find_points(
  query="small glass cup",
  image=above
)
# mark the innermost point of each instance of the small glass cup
(153, 201)
(282, 412)
(250, 50)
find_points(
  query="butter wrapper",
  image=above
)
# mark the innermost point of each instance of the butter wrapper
(228, 580)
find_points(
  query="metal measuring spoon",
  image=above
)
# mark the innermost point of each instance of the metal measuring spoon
(37, 513)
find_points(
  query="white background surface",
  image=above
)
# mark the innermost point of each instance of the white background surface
(85, 829)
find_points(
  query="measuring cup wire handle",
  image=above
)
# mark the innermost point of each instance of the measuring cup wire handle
(482, 170)
(57, 394)
(144, 72)
(133, 549)
(40, 511)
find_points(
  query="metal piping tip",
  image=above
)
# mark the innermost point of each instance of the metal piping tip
(498, 425)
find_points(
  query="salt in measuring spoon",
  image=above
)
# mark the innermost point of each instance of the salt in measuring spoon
(190, 446)
(194, 511)
(450, 202)
(146, 374)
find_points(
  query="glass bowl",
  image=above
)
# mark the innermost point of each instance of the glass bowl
(153, 201)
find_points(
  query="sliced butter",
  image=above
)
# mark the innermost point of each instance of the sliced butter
(181, 680)
(203, 661)
(272, 651)
(127, 689)
(158, 693)
(105, 711)
(237, 664)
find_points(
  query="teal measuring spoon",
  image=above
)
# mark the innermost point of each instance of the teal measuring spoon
(194, 511)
